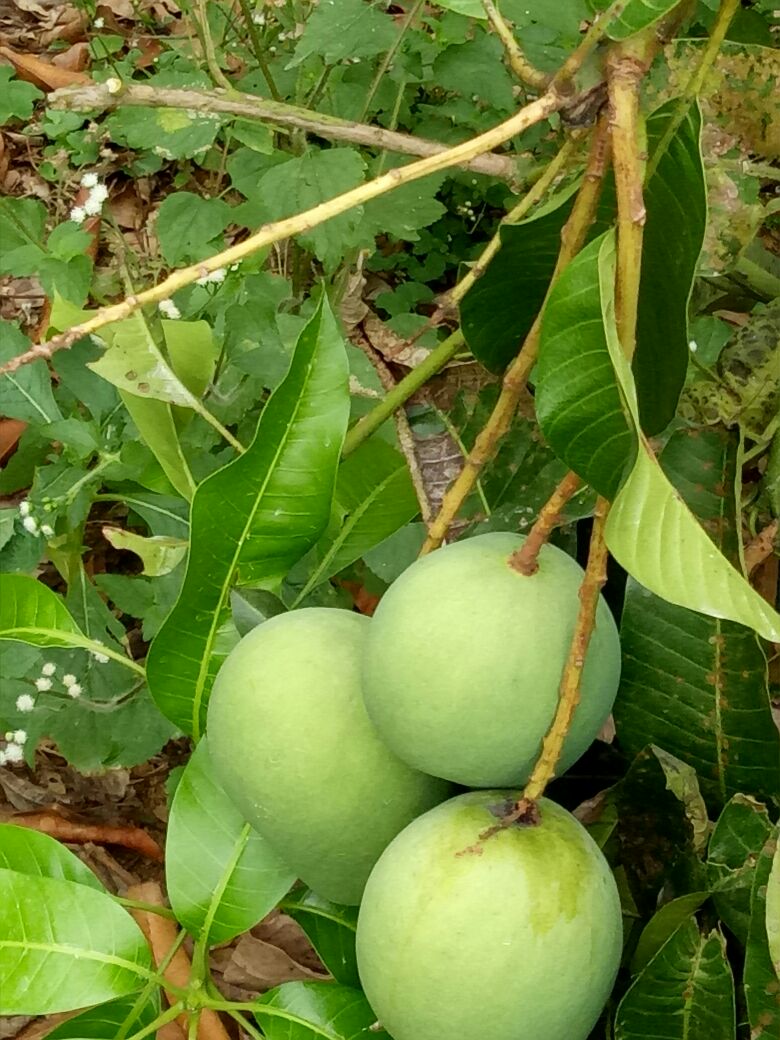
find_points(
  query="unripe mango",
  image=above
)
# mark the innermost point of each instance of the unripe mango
(464, 658)
(292, 745)
(516, 936)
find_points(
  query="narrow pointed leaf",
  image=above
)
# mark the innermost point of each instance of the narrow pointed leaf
(650, 530)
(316, 1011)
(762, 985)
(221, 874)
(635, 16)
(252, 520)
(64, 946)
(106, 1020)
(30, 852)
(154, 422)
(661, 926)
(742, 830)
(686, 991)
(697, 685)
(331, 930)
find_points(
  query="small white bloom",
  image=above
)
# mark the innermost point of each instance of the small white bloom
(100, 658)
(43, 685)
(92, 206)
(2, 757)
(89, 180)
(258, 18)
(24, 508)
(113, 85)
(47, 531)
(69, 679)
(694, 346)
(169, 309)
(78, 214)
(14, 753)
(49, 668)
(213, 276)
(25, 702)
(30, 524)
(98, 23)
(74, 690)
(20, 736)
(99, 192)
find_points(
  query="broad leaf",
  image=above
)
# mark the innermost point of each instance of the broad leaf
(316, 1010)
(698, 685)
(159, 553)
(686, 991)
(661, 926)
(278, 496)
(347, 29)
(374, 497)
(762, 984)
(29, 852)
(650, 530)
(24, 394)
(221, 875)
(64, 946)
(106, 1020)
(634, 16)
(331, 930)
(742, 830)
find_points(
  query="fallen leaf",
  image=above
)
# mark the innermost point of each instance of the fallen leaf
(77, 831)
(74, 59)
(41, 73)
(10, 432)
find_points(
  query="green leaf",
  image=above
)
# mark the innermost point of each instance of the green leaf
(650, 530)
(469, 8)
(159, 553)
(251, 607)
(742, 830)
(661, 926)
(403, 211)
(697, 685)
(222, 876)
(578, 402)
(64, 946)
(314, 177)
(24, 394)
(171, 133)
(189, 227)
(676, 204)
(686, 991)
(193, 352)
(762, 984)
(316, 1011)
(635, 16)
(22, 223)
(17, 98)
(156, 426)
(279, 492)
(347, 29)
(30, 852)
(773, 911)
(106, 1020)
(331, 930)
(374, 497)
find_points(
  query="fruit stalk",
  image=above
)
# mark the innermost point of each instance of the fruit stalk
(571, 680)
(525, 559)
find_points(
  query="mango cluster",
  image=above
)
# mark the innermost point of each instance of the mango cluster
(340, 739)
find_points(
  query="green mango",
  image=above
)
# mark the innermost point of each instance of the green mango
(292, 746)
(464, 657)
(516, 936)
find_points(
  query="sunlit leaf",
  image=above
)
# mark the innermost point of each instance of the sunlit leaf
(316, 1011)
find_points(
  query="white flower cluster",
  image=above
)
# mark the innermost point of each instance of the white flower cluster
(169, 309)
(93, 204)
(30, 522)
(467, 210)
(25, 702)
(13, 752)
(213, 276)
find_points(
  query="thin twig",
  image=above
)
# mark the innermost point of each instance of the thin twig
(572, 239)
(521, 66)
(96, 97)
(257, 49)
(571, 680)
(525, 559)
(528, 116)
(387, 61)
(219, 77)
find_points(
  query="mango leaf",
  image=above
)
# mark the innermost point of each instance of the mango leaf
(157, 429)
(316, 1010)
(634, 16)
(773, 911)
(159, 553)
(222, 876)
(279, 493)
(676, 204)
(106, 1020)
(31, 613)
(374, 497)
(661, 926)
(30, 852)
(650, 530)
(742, 830)
(697, 685)
(762, 985)
(65, 946)
(331, 930)
(687, 990)
(251, 607)
(578, 402)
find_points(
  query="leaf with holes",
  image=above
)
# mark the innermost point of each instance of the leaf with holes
(331, 930)
(65, 946)
(697, 685)
(256, 517)
(221, 875)
(315, 1010)
(742, 830)
(686, 990)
